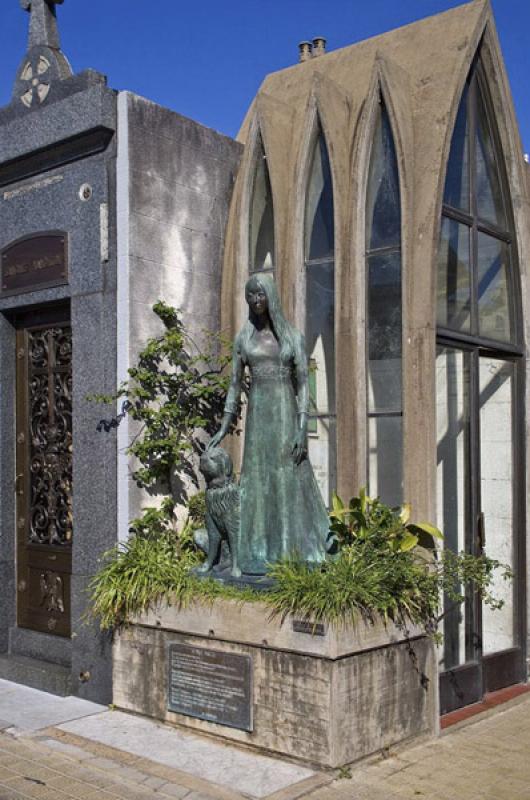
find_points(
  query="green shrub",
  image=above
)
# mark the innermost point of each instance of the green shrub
(382, 571)
(176, 393)
(377, 573)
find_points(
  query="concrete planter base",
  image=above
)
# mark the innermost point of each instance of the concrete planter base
(327, 699)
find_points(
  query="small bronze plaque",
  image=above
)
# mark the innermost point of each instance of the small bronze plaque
(306, 626)
(211, 685)
(35, 262)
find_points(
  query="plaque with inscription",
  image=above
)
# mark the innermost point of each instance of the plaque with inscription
(35, 262)
(211, 684)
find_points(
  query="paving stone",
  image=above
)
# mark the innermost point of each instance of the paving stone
(199, 796)
(66, 749)
(129, 792)
(8, 794)
(174, 790)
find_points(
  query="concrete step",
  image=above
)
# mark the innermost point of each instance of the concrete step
(43, 675)
(33, 644)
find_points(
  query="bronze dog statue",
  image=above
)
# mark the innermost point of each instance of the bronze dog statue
(222, 513)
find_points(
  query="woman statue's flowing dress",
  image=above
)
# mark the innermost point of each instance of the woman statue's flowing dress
(282, 511)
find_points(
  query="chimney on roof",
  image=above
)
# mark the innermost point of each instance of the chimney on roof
(306, 51)
(319, 46)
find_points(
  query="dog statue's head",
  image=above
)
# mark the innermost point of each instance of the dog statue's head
(216, 466)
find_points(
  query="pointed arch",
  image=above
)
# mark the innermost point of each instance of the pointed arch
(325, 113)
(480, 362)
(319, 280)
(259, 219)
(384, 314)
(389, 88)
(477, 279)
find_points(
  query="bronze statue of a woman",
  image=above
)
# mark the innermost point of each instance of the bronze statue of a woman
(282, 511)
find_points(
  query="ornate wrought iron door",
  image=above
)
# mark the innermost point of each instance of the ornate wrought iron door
(44, 477)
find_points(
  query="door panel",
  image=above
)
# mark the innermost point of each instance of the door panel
(477, 501)
(454, 494)
(44, 476)
(460, 687)
(496, 383)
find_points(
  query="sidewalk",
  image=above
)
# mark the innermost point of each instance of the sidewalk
(68, 749)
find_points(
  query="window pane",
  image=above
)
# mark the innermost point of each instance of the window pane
(456, 191)
(453, 513)
(319, 220)
(489, 196)
(454, 276)
(493, 298)
(323, 456)
(320, 340)
(385, 469)
(496, 466)
(384, 331)
(383, 212)
(261, 218)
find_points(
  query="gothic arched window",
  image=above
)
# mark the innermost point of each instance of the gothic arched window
(384, 315)
(479, 368)
(319, 253)
(261, 238)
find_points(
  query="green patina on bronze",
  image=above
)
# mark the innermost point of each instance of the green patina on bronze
(282, 511)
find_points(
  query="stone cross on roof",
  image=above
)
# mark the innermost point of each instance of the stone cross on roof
(43, 65)
(43, 24)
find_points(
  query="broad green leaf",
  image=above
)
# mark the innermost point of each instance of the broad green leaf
(427, 528)
(408, 542)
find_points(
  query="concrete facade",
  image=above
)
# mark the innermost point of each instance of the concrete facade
(175, 197)
(419, 73)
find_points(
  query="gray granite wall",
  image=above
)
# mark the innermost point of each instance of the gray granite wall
(164, 183)
(180, 179)
(46, 155)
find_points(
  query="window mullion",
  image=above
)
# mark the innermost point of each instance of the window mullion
(472, 116)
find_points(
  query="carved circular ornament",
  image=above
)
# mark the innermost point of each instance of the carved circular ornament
(34, 77)
(85, 192)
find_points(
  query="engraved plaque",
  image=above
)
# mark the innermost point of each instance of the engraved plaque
(211, 685)
(306, 626)
(35, 262)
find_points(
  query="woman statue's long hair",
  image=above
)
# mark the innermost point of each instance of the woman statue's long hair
(283, 330)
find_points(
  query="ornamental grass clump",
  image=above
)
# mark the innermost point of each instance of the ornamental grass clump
(155, 565)
(152, 564)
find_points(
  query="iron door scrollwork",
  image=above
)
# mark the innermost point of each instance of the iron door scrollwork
(50, 417)
(43, 483)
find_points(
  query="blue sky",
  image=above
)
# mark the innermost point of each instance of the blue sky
(207, 59)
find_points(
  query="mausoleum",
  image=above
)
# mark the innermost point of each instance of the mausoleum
(383, 185)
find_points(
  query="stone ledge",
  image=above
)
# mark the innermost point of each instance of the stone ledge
(252, 624)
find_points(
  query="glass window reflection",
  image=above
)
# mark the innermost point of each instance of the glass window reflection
(319, 244)
(384, 317)
(261, 256)
(454, 276)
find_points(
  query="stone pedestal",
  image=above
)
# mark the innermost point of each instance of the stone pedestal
(328, 697)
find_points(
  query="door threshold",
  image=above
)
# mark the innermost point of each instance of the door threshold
(489, 701)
